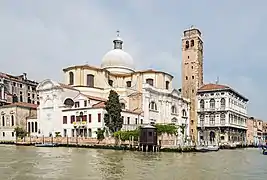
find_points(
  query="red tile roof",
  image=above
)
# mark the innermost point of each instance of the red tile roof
(22, 104)
(99, 105)
(208, 87)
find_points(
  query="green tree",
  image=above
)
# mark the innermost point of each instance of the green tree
(100, 134)
(20, 132)
(113, 119)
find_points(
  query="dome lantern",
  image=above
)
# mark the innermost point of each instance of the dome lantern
(118, 41)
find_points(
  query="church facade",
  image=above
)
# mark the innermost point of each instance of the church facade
(77, 107)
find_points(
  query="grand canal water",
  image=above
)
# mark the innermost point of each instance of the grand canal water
(32, 163)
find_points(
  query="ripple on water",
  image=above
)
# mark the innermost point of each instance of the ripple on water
(32, 163)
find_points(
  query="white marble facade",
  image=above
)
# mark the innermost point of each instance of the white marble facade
(147, 96)
(222, 112)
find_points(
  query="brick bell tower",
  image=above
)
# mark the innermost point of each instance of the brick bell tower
(192, 73)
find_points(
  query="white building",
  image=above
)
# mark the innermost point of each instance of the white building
(222, 114)
(147, 97)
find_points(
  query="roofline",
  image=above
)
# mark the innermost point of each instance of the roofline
(103, 69)
(224, 89)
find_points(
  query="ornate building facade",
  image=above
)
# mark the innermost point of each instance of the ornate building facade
(192, 72)
(222, 114)
(17, 89)
(147, 96)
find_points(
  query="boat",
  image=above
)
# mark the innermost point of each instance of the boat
(264, 149)
(213, 148)
(232, 146)
(201, 149)
(46, 145)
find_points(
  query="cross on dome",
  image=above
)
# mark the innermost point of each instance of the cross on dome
(118, 33)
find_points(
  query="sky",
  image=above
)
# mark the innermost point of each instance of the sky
(43, 37)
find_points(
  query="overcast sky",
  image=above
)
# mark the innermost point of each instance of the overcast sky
(42, 37)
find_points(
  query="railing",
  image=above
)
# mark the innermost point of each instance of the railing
(79, 124)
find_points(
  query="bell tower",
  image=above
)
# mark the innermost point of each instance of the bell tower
(192, 72)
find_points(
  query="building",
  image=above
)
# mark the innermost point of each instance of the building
(192, 72)
(222, 114)
(264, 131)
(17, 89)
(251, 126)
(255, 133)
(77, 106)
(15, 115)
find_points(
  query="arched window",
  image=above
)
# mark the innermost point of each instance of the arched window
(29, 127)
(153, 106)
(69, 102)
(174, 110)
(192, 43)
(3, 121)
(184, 114)
(222, 118)
(186, 44)
(122, 105)
(202, 104)
(12, 120)
(71, 78)
(212, 103)
(222, 103)
(212, 119)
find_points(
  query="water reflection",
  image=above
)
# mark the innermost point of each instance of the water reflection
(111, 164)
(32, 163)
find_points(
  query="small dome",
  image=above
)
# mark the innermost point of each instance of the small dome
(117, 60)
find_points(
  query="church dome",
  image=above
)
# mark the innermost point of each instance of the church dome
(118, 61)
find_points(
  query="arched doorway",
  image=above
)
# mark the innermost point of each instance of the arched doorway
(212, 136)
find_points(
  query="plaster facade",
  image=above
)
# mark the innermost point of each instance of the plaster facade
(15, 115)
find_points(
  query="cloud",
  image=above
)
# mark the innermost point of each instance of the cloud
(42, 37)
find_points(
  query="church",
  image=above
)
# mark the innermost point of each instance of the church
(76, 107)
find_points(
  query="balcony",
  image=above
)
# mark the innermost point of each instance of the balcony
(80, 124)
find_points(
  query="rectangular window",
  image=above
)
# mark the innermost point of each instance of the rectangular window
(90, 118)
(4, 134)
(141, 121)
(84, 117)
(99, 117)
(123, 120)
(136, 121)
(128, 120)
(72, 119)
(150, 82)
(85, 103)
(90, 80)
(65, 120)
(77, 104)
(65, 133)
(167, 85)
(12, 134)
